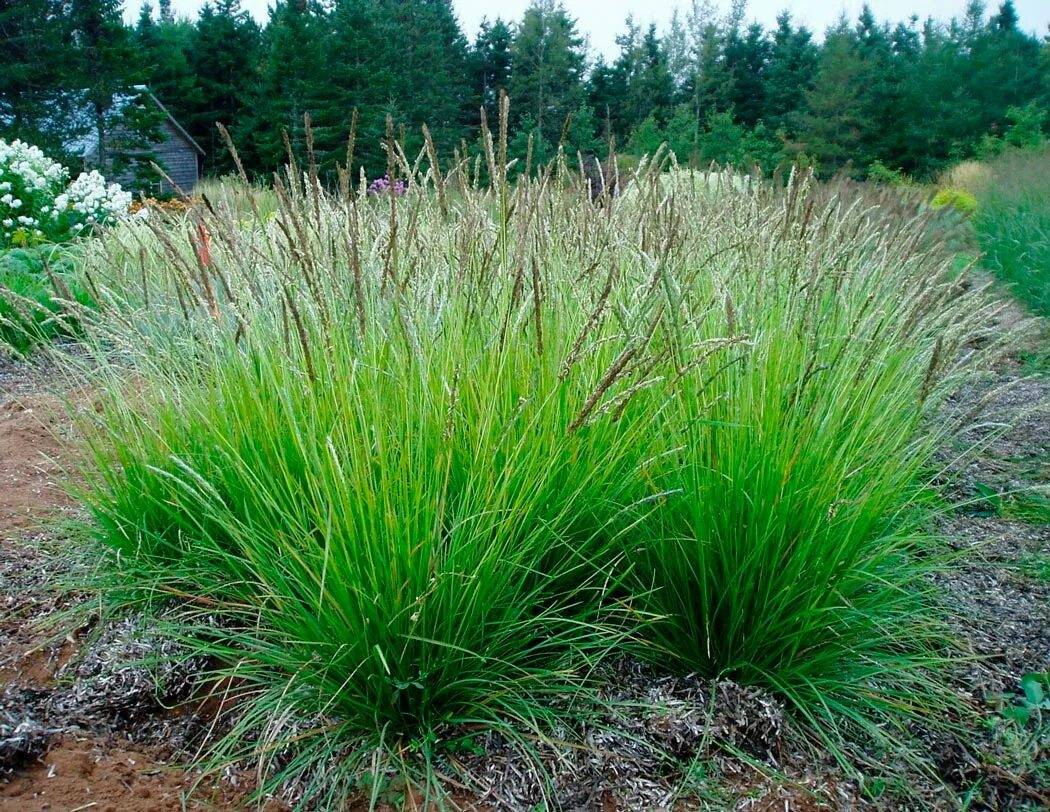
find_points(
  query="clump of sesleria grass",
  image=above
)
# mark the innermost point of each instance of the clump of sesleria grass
(415, 464)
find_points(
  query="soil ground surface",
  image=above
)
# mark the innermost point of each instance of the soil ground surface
(83, 727)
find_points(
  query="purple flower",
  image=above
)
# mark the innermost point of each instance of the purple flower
(382, 186)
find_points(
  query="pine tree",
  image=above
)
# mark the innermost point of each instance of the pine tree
(223, 53)
(620, 103)
(676, 45)
(709, 87)
(360, 76)
(656, 87)
(1000, 69)
(640, 82)
(879, 91)
(601, 96)
(548, 68)
(428, 58)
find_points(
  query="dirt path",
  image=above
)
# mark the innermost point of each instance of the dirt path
(61, 765)
(998, 520)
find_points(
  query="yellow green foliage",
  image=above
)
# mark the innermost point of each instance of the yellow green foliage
(958, 199)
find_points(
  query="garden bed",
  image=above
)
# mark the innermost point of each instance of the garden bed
(496, 496)
(123, 756)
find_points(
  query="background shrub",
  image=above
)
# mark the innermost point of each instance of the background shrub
(958, 200)
(38, 292)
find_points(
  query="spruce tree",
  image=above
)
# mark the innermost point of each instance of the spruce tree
(223, 55)
(833, 120)
(124, 126)
(37, 72)
(163, 48)
(427, 55)
(360, 76)
(747, 55)
(490, 64)
(792, 65)
(548, 68)
(289, 82)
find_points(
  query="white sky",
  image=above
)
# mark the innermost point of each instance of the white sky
(602, 20)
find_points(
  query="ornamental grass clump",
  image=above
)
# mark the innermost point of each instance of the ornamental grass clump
(1012, 225)
(407, 472)
(794, 555)
(384, 486)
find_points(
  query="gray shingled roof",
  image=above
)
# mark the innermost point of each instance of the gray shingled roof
(78, 119)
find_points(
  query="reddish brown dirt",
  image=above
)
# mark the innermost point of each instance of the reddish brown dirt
(80, 771)
(29, 455)
(94, 774)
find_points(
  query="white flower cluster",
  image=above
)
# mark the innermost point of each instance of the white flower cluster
(37, 206)
(92, 201)
(28, 183)
(31, 164)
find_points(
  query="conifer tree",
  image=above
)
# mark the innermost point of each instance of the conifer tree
(105, 77)
(548, 68)
(36, 73)
(490, 64)
(792, 66)
(223, 55)
(288, 82)
(163, 48)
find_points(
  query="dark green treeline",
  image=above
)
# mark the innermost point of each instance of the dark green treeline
(911, 96)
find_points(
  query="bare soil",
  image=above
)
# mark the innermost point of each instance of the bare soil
(55, 755)
(72, 741)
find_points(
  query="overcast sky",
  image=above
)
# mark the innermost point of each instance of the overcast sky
(602, 20)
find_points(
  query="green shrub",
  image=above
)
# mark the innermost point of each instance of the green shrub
(878, 172)
(958, 200)
(37, 290)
